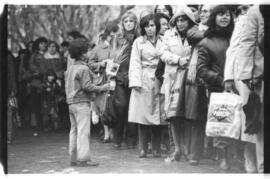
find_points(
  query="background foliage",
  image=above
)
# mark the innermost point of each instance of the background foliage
(27, 22)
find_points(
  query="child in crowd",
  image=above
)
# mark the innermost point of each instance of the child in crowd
(51, 89)
(80, 91)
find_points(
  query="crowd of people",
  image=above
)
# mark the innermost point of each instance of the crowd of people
(197, 49)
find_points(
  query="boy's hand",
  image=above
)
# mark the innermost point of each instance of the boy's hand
(59, 83)
(106, 87)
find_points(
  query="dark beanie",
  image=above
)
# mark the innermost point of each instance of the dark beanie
(77, 48)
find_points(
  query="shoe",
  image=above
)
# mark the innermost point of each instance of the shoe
(173, 157)
(117, 146)
(143, 154)
(87, 164)
(224, 164)
(73, 164)
(193, 162)
(106, 141)
(156, 154)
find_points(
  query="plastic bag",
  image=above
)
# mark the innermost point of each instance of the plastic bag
(224, 115)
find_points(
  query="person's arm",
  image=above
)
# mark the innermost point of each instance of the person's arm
(248, 39)
(135, 67)
(194, 35)
(167, 56)
(88, 85)
(204, 70)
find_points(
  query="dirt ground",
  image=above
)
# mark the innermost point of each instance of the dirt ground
(48, 153)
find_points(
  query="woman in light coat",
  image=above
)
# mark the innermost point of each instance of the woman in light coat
(233, 84)
(175, 54)
(144, 106)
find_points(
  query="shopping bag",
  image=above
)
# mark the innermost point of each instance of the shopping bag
(177, 95)
(224, 115)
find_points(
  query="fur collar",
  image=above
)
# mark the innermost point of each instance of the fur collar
(218, 33)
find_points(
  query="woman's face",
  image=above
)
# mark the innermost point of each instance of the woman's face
(129, 24)
(204, 14)
(195, 12)
(111, 36)
(182, 23)
(162, 9)
(163, 26)
(150, 29)
(52, 48)
(30, 47)
(42, 46)
(223, 19)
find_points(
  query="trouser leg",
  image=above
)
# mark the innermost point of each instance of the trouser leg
(260, 151)
(10, 124)
(156, 137)
(250, 158)
(131, 134)
(143, 136)
(197, 138)
(72, 134)
(118, 131)
(175, 126)
(83, 119)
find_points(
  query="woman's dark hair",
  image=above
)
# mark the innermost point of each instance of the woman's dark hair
(28, 43)
(37, 42)
(168, 7)
(56, 45)
(74, 34)
(23, 51)
(26, 58)
(64, 44)
(145, 22)
(161, 15)
(110, 27)
(77, 48)
(211, 23)
(190, 22)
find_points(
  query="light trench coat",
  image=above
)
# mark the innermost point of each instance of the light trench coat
(173, 49)
(144, 105)
(231, 70)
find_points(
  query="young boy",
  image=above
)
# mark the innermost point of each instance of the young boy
(79, 92)
(49, 108)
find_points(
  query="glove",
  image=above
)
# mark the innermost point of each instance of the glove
(253, 127)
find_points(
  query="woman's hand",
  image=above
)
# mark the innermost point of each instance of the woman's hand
(229, 86)
(183, 61)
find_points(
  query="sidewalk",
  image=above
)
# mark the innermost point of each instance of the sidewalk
(48, 153)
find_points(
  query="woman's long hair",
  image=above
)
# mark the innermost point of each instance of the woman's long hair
(37, 42)
(211, 23)
(110, 27)
(133, 16)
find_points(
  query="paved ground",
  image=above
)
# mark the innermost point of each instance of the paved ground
(48, 153)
